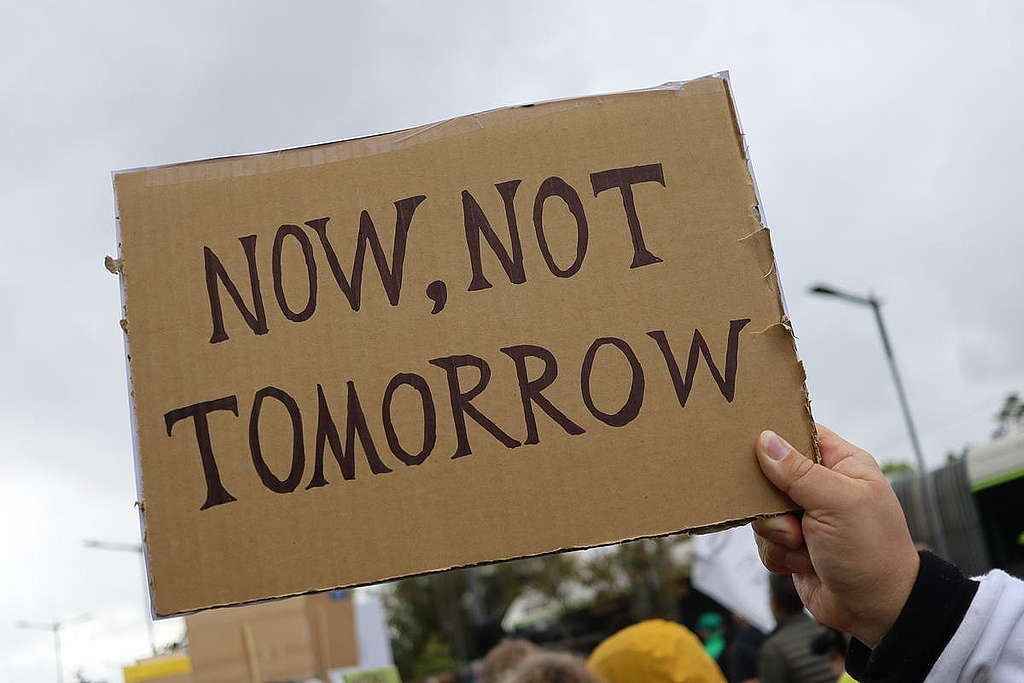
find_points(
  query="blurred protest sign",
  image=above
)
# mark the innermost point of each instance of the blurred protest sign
(506, 334)
(170, 668)
(726, 567)
(282, 640)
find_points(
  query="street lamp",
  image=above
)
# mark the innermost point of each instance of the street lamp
(934, 521)
(138, 549)
(55, 628)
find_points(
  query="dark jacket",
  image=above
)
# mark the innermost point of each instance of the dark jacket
(786, 655)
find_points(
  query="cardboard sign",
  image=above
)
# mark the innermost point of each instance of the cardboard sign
(282, 640)
(169, 668)
(513, 333)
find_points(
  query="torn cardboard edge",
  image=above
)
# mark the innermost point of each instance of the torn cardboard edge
(693, 531)
(116, 266)
(113, 265)
(762, 240)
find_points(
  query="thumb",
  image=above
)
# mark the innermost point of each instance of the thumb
(807, 483)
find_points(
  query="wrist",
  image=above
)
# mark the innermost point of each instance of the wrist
(932, 613)
(873, 624)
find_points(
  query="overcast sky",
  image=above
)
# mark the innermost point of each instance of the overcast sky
(885, 138)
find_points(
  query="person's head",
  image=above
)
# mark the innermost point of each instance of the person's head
(654, 651)
(785, 601)
(551, 667)
(504, 657)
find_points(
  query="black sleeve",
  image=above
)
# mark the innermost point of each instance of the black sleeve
(936, 606)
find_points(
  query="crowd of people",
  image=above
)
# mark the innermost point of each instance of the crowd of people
(799, 650)
(853, 599)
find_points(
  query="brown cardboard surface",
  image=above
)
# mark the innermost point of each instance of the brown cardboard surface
(333, 629)
(272, 641)
(281, 640)
(598, 417)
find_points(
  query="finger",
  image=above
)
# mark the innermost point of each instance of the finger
(807, 483)
(781, 560)
(833, 447)
(839, 454)
(783, 529)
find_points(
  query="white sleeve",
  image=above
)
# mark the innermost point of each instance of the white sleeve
(989, 644)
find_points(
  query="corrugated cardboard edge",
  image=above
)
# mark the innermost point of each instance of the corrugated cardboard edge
(757, 212)
(298, 157)
(117, 266)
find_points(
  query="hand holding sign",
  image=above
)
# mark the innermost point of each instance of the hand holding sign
(850, 554)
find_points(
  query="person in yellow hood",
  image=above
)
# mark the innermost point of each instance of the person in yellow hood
(654, 651)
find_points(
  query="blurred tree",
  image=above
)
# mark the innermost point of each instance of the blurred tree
(605, 575)
(417, 613)
(956, 455)
(1009, 416)
(897, 469)
(436, 658)
(455, 608)
(549, 575)
(651, 574)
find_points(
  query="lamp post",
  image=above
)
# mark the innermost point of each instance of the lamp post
(934, 521)
(137, 549)
(55, 628)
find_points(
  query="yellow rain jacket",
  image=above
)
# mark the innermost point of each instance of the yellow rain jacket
(654, 651)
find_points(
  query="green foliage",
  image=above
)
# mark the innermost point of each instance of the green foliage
(387, 674)
(448, 607)
(650, 575)
(1009, 416)
(897, 469)
(956, 455)
(417, 612)
(435, 619)
(435, 658)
